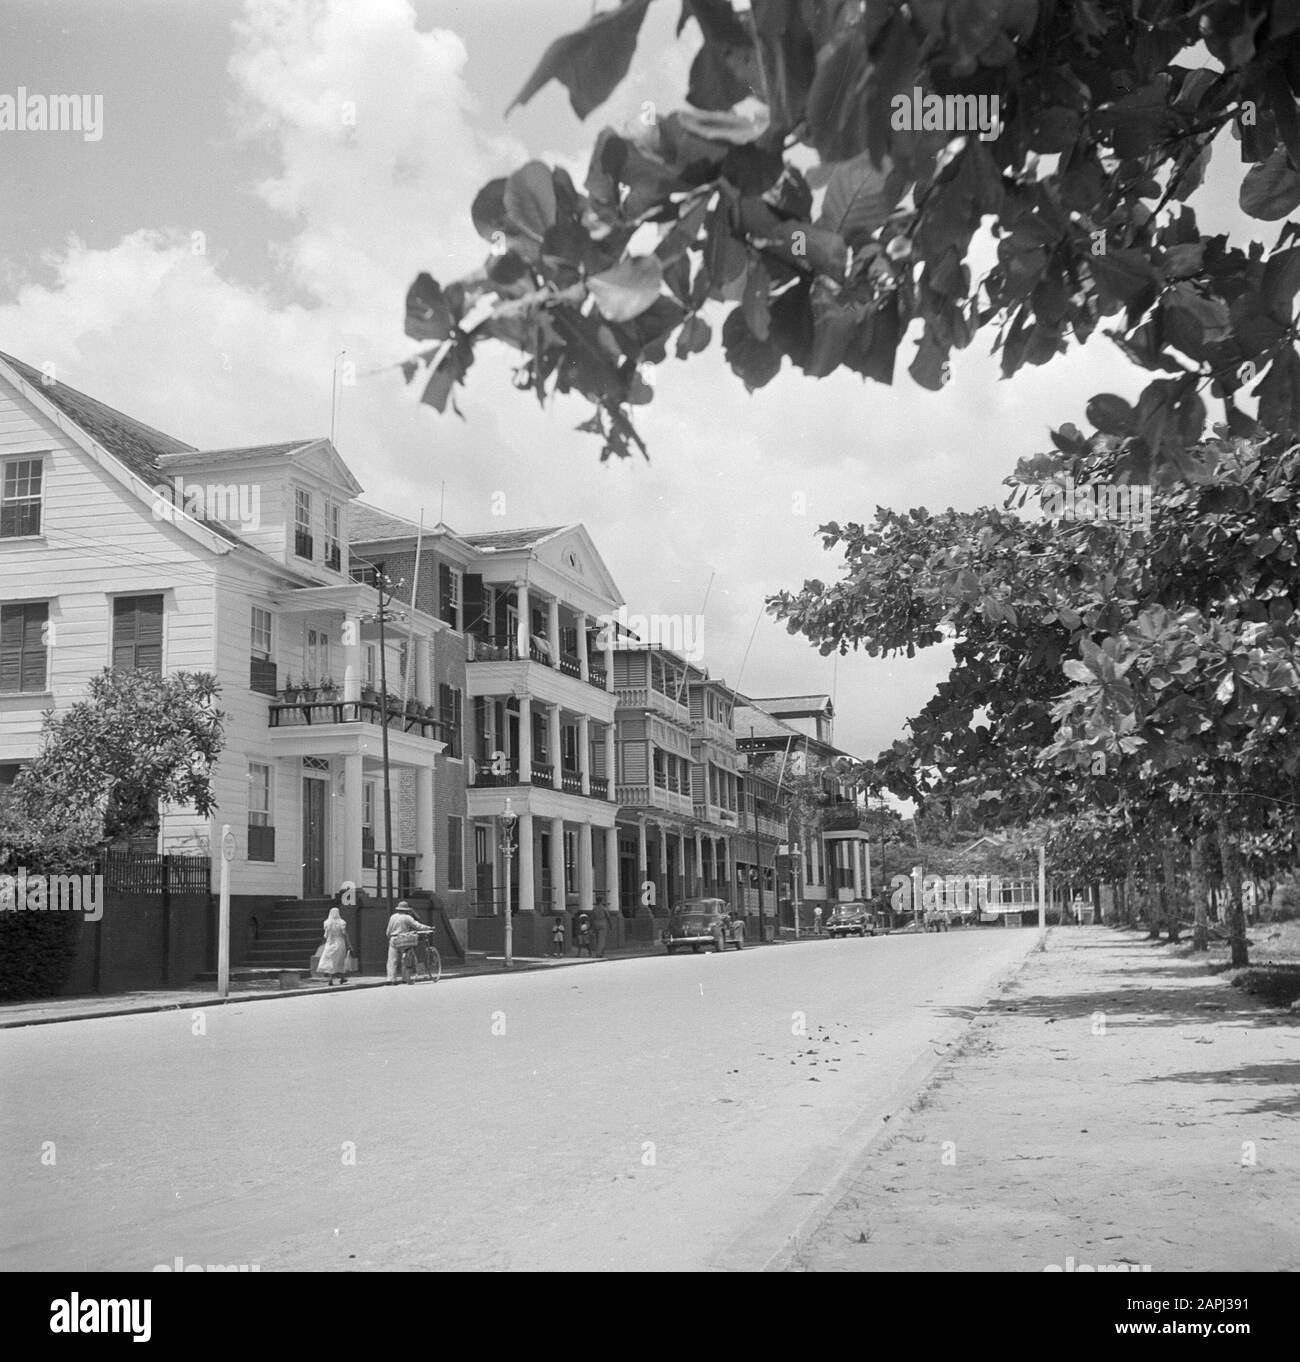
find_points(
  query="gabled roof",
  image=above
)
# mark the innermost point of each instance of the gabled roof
(256, 451)
(135, 445)
(504, 541)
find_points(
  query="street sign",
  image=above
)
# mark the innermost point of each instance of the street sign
(228, 845)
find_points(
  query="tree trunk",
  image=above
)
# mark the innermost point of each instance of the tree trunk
(1235, 909)
(1170, 890)
(1201, 932)
(1155, 901)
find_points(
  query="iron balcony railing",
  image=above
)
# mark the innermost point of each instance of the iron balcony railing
(411, 718)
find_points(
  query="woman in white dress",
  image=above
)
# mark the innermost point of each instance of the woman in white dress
(333, 960)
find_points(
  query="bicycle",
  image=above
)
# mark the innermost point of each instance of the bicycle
(418, 957)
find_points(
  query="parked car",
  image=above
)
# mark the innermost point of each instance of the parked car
(703, 922)
(850, 919)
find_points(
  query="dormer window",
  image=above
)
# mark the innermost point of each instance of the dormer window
(302, 540)
(333, 536)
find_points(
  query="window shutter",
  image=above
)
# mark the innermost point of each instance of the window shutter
(138, 632)
(475, 620)
(12, 620)
(444, 594)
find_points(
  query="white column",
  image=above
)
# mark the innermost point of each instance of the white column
(352, 658)
(583, 661)
(665, 888)
(611, 758)
(609, 658)
(553, 741)
(350, 871)
(681, 862)
(526, 899)
(698, 878)
(584, 751)
(524, 623)
(425, 842)
(866, 851)
(558, 886)
(524, 756)
(611, 869)
(553, 629)
(642, 859)
(586, 896)
(857, 869)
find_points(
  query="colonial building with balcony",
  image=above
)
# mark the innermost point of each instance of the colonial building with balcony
(135, 549)
(540, 707)
(792, 736)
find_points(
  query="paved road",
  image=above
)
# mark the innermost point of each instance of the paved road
(642, 1114)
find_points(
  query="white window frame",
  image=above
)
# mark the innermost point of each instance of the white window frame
(299, 493)
(267, 814)
(258, 650)
(26, 498)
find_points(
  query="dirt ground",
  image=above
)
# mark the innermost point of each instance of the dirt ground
(1118, 1104)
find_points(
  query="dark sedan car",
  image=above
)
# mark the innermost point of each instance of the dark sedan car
(703, 922)
(850, 919)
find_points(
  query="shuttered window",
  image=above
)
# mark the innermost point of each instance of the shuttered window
(138, 632)
(449, 594)
(22, 646)
(455, 852)
(450, 711)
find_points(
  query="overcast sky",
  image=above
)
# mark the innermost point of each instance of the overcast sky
(225, 120)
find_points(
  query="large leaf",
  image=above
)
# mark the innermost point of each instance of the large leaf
(428, 315)
(529, 199)
(1271, 189)
(859, 197)
(591, 62)
(628, 289)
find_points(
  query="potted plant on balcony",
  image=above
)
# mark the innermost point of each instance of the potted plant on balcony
(291, 691)
(328, 688)
(368, 692)
(413, 708)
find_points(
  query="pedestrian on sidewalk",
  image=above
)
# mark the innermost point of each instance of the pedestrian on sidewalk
(557, 935)
(600, 921)
(333, 961)
(402, 920)
(582, 932)
(817, 919)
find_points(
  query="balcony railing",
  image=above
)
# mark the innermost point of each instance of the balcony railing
(543, 773)
(571, 782)
(570, 666)
(485, 778)
(599, 787)
(597, 676)
(318, 711)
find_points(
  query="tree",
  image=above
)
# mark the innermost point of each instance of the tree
(834, 165)
(108, 762)
(1145, 668)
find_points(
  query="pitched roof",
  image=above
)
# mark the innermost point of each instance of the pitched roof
(131, 442)
(265, 451)
(747, 716)
(789, 704)
(506, 540)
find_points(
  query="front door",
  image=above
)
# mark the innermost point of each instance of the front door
(313, 838)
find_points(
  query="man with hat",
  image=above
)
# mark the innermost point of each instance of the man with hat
(401, 922)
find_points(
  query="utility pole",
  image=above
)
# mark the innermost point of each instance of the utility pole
(383, 711)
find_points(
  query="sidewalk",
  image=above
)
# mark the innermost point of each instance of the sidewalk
(1117, 1104)
(91, 1006)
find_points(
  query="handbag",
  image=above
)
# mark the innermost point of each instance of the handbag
(315, 960)
(350, 965)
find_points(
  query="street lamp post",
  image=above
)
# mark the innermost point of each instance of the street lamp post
(796, 876)
(508, 820)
